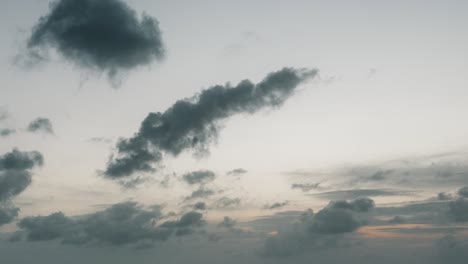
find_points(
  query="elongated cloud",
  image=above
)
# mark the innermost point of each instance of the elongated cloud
(15, 177)
(192, 124)
(121, 224)
(103, 35)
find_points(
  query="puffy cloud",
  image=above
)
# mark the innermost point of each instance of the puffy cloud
(15, 176)
(227, 222)
(192, 124)
(41, 124)
(358, 205)
(199, 177)
(121, 224)
(276, 205)
(103, 35)
(237, 172)
(333, 221)
(320, 230)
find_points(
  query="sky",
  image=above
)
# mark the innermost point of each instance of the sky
(137, 131)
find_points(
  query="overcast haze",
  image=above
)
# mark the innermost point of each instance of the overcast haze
(137, 131)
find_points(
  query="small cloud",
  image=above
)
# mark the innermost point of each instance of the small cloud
(41, 124)
(237, 172)
(7, 132)
(276, 205)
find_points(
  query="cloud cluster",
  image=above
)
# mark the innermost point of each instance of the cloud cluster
(103, 35)
(318, 230)
(121, 224)
(41, 124)
(192, 124)
(15, 177)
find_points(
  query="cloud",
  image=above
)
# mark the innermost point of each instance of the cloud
(102, 35)
(121, 224)
(226, 203)
(199, 177)
(358, 205)
(199, 206)
(463, 192)
(15, 177)
(14, 172)
(237, 172)
(452, 249)
(458, 210)
(227, 222)
(5, 132)
(444, 196)
(276, 205)
(200, 193)
(357, 193)
(193, 124)
(41, 124)
(305, 187)
(7, 214)
(313, 231)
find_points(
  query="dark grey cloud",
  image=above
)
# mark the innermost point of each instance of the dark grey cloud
(463, 192)
(121, 224)
(276, 205)
(313, 231)
(458, 210)
(103, 35)
(199, 206)
(305, 187)
(227, 222)
(41, 124)
(15, 176)
(358, 205)
(7, 214)
(444, 196)
(199, 177)
(5, 132)
(237, 172)
(358, 193)
(193, 124)
(452, 249)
